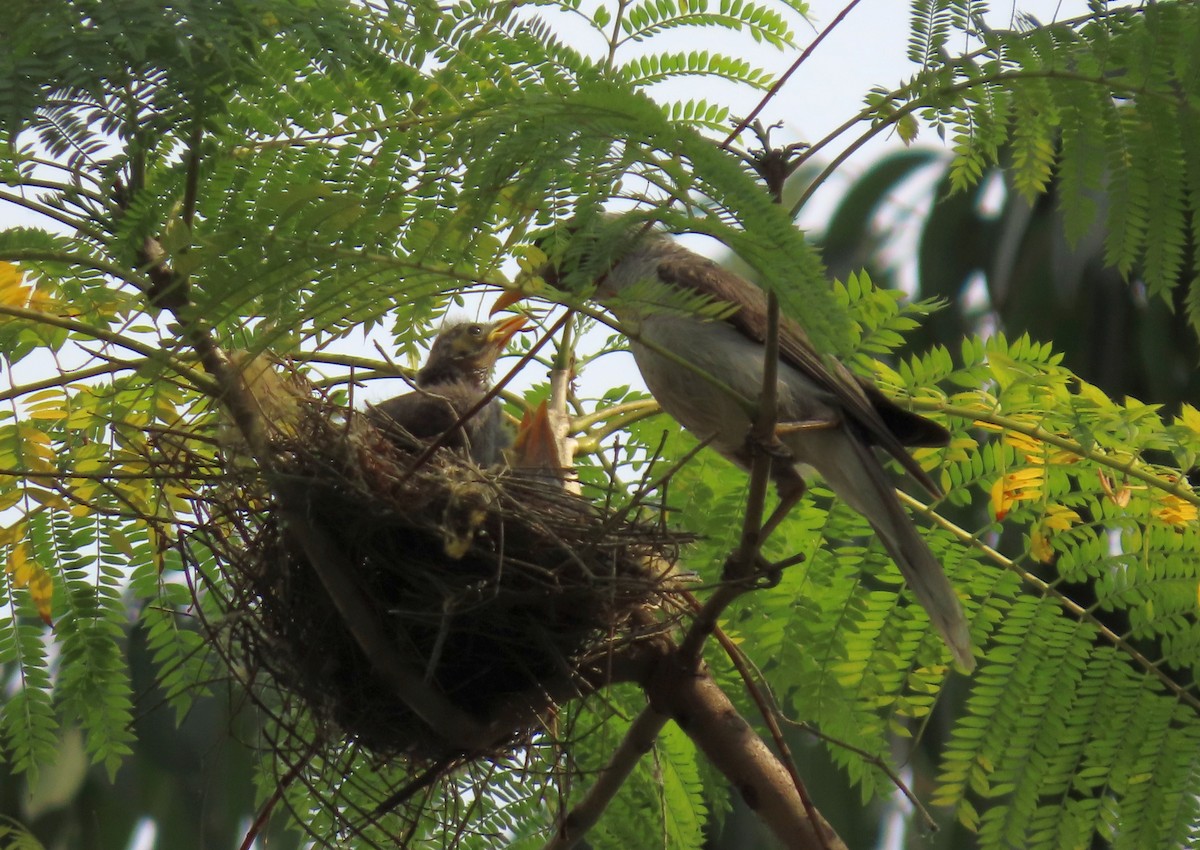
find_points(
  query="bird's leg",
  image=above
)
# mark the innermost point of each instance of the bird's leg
(789, 483)
(790, 486)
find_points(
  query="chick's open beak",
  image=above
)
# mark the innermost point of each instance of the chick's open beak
(503, 331)
(536, 445)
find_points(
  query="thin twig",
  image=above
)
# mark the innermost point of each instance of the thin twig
(742, 564)
(198, 380)
(774, 90)
(71, 378)
(638, 740)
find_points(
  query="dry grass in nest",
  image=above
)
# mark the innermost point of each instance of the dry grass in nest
(499, 587)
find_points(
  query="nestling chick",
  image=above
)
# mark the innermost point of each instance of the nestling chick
(450, 385)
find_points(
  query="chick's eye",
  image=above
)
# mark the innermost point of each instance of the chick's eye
(475, 330)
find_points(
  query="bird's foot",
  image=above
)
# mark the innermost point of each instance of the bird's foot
(786, 429)
(770, 573)
(774, 448)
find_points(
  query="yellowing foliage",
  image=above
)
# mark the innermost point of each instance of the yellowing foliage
(15, 292)
(1056, 518)
(1018, 486)
(1038, 451)
(27, 573)
(1174, 511)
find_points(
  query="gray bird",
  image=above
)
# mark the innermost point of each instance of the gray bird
(829, 419)
(452, 382)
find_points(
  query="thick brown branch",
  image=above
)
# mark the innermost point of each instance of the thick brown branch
(701, 709)
(678, 691)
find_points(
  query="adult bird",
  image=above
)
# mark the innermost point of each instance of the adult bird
(828, 419)
(449, 389)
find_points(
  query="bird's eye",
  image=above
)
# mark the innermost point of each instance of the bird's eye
(475, 330)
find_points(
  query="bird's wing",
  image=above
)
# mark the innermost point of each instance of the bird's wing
(883, 422)
(423, 415)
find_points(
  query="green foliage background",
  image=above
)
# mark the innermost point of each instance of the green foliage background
(318, 168)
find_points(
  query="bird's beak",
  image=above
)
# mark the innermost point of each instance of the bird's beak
(503, 331)
(536, 445)
(507, 298)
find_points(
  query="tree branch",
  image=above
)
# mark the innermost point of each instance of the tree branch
(638, 741)
(774, 90)
(103, 334)
(694, 700)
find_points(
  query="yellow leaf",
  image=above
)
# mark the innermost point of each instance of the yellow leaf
(999, 505)
(1174, 510)
(1056, 518)
(1190, 418)
(33, 435)
(1060, 517)
(18, 560)
(1023, 442)
(41, 590)
(47, 498)
(1039, 545)
(84, 490)
(13, 534)
(26, 572)
(1038, 451)
(15, 292)
(1021, 485)
(48, 412)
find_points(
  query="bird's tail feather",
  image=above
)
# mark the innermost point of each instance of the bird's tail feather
(857, 476)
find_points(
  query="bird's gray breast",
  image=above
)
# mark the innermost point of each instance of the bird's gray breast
(489, 438)
(722, 351)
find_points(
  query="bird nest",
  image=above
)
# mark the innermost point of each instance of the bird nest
(503, 593)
